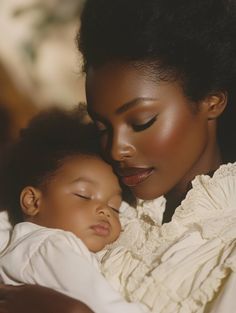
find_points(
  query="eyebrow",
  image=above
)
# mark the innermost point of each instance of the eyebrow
(83, 179)
(130, 104)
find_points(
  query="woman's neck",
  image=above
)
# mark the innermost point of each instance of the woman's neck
(175, 196)
(173, 200)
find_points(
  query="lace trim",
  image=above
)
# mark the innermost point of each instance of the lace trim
(209, 196)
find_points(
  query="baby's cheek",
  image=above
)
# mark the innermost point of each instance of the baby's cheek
(116, 229)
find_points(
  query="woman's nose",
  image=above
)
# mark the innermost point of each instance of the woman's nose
(121, 147)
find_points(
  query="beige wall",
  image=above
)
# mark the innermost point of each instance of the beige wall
(41, 58)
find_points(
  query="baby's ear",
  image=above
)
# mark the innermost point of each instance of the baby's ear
(30, 200)
(216, 104)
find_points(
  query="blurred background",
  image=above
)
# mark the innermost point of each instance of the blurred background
(40, 65)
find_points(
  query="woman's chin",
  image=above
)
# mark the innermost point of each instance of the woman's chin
(145, 192)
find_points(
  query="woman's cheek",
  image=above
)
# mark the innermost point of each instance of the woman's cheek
(159, 140)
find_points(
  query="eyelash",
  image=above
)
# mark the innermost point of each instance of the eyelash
(141, 127)
(82, 196)
(136, 127)
(88, 198)
(115, 210)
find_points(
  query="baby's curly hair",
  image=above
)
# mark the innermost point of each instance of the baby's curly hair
(192, 41)
(51, 138)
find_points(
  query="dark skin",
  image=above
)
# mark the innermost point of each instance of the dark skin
(152, 126)
(36, 299)
(154, 133)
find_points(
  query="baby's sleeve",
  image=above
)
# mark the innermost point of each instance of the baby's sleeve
(5, 230)
(64, 264)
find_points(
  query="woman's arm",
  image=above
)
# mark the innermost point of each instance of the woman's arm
(37, 299)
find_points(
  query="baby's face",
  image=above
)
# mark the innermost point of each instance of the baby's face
(84, 197)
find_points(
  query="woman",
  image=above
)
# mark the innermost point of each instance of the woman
(160, 83)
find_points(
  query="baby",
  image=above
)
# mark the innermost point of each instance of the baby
(63, 200)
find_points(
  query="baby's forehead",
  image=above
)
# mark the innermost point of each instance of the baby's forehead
(87, 159)
(91, 166)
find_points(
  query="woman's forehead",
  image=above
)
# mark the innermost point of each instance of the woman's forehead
(116, 85)
(117, 82)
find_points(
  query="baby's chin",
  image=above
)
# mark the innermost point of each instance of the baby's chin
(94, 244)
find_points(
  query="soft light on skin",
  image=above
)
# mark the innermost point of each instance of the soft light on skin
(153, 125)
(82, 197)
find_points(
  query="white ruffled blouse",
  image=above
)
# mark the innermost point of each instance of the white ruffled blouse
(187, 265)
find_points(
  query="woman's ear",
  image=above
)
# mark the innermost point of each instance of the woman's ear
(30, 200)
(216, 103)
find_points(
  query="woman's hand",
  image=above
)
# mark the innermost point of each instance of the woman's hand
(37, 299)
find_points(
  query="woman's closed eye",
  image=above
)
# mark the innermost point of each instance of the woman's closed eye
(142, 126)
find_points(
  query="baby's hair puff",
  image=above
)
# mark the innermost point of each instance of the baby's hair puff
(50, 138)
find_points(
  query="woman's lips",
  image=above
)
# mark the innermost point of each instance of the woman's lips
(101, 229)
(136, 177)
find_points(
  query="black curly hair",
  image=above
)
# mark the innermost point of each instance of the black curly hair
(50, 138)
(192, 41)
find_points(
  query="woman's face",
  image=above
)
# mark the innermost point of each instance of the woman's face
(150, 128)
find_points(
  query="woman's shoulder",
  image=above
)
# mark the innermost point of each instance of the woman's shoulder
(220, 188)
(225, 170)
(210, 195)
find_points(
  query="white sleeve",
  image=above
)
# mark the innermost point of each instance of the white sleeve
(63, 264)
(5, 230)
